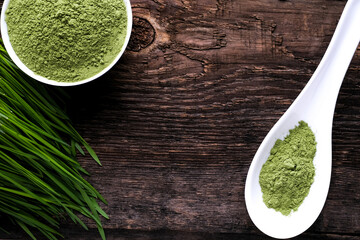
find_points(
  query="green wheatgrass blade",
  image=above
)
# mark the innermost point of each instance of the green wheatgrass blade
(40, 94)
(30, 146)
(26, 229)
(73, 148)
(48, 235)
(75, 164)
(92, 153)
(78, 147)
(91, 206)
(11, 178)
(4, 204)
(64, 188)
(17, 120)
(60, 124)
(35, 128)
(102, 213)
(29, 175)
(75, 218)
(4, 231)
(36, 210)
(24, 196)
(24, 108)
(28, 220)
(40, 177)
(39, 138)
(8, 198)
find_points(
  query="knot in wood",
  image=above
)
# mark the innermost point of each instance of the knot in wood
(142, 35)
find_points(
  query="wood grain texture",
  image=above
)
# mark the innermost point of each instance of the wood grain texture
(178, 120)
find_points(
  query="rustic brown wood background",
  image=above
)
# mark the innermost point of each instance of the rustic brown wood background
(178, 120)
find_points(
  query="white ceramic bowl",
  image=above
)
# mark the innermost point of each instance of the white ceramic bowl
(17, 61)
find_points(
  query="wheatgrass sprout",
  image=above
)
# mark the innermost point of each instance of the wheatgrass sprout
(40, 178)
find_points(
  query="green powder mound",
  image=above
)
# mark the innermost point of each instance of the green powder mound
(288, 173)
(66, 40)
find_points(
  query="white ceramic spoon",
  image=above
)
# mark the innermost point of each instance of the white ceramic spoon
(315, 105)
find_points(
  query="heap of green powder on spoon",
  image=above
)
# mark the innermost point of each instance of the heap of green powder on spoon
(288, 173)
(66, 40)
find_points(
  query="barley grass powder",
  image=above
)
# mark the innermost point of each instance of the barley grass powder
(287, 175)
(66, 40)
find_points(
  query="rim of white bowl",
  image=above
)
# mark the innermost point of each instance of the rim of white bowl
(25, 69)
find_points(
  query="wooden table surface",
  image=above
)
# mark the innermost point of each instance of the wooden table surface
(178, 120)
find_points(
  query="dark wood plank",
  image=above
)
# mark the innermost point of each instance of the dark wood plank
(178, 120)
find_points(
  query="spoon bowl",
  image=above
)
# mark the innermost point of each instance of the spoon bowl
(268, 220)
(315, 105)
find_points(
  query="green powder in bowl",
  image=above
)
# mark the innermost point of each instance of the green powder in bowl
(68, 41)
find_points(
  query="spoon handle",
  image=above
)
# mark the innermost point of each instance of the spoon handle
(333, 67)
(323, 88)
